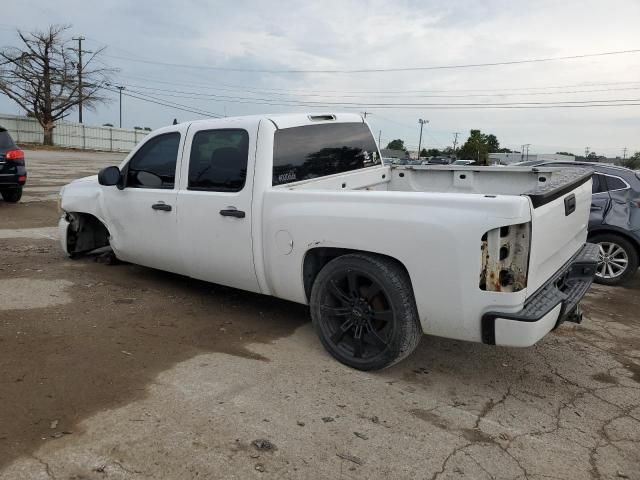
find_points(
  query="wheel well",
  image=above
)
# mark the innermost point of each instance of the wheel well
(619, 233)
(85, 233)
(316, 258)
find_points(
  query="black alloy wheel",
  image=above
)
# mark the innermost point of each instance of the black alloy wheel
(364, 312)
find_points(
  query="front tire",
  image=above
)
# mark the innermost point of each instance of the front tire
(617, 260)
(12, 195)
(364, 312)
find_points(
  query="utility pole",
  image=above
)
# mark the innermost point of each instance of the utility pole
(527, 145)
(455, 141)
(586, 152)
(120, 88)
(624, 153)
(80, 52)
(364, 114)
(422, 123)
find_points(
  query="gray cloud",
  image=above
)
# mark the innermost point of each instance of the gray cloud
(369, 34)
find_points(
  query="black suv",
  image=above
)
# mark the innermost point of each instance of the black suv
(614, 222)
(13, 171)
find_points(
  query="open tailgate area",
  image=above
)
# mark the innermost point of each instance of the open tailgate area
(559, 220)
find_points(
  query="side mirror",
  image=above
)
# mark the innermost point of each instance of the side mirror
(109, 176)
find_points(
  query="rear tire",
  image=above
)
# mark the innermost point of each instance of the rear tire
(364, 312)
(618, 259)
(12, 195)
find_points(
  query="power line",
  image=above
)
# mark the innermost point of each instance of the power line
(393, 95)
(177, 106)
(310, 103)
(380, 70)
(289, 91)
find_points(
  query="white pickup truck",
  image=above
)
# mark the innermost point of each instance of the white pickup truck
(300, 207)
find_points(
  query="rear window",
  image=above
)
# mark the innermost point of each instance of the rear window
(312, 151)
(5, 140)
(615, 183)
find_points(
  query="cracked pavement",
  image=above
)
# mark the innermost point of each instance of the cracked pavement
(123, 372)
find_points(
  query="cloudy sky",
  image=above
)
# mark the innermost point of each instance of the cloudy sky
(235, 58)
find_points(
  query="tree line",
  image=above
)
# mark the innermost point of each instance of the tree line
(477, 147)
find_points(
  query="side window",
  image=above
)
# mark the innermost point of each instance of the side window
(598, 185)
(154, 165)
(615, 183)
(218, 160)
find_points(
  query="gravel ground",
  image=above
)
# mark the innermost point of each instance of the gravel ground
(124, 372)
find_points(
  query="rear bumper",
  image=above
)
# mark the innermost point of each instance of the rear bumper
(13, 179)
(553, 303)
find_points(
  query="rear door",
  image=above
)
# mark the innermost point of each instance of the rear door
(215, 200)
(600, 200)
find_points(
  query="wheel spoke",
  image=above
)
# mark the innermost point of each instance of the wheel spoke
(357, 334)
(602, 269)
(610, 270)
(373, 335)
(339, 334)
(610, 247)
(352, 281)
(338, 294)
(338, 311)
(383, 315)
(358, 347)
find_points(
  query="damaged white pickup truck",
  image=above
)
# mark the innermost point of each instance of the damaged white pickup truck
(300, 207)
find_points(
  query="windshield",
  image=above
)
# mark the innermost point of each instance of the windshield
(312, 151)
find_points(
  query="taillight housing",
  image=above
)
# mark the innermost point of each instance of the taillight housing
(15, 154)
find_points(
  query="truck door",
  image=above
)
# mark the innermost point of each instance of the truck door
(142, 216)
(214, 202)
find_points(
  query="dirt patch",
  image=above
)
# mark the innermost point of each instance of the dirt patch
(123, 325)
(28, 215)
(430, 417)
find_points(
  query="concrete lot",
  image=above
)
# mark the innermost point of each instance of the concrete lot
(123, 372)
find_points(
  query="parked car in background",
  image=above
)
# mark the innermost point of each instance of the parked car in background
(13, 171)
(614, 222)
(465, 162)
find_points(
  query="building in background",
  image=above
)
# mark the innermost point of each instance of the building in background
(515, 157)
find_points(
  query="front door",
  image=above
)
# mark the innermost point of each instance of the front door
(142, 216)
(214, 201)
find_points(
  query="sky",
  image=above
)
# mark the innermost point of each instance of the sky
(236, 58)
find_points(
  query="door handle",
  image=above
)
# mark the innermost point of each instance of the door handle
(232, 212)
(161, 206)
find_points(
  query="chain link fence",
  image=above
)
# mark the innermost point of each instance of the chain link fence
(73, 135)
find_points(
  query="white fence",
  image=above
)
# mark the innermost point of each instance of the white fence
(73, 135)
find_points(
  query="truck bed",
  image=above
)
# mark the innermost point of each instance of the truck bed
(541, 184)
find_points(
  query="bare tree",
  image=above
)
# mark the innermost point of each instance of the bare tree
(42, 77)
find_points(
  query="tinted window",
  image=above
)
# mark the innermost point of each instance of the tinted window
(598, 185)
(614, 183)
(218, 160)
(6, 141)
(154, 165)
(314, 151)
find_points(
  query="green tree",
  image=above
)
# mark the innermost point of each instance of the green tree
(432, 152)
(565, 153)
(396, 145)
(633, 162)
(475, 148)
(492, 143)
